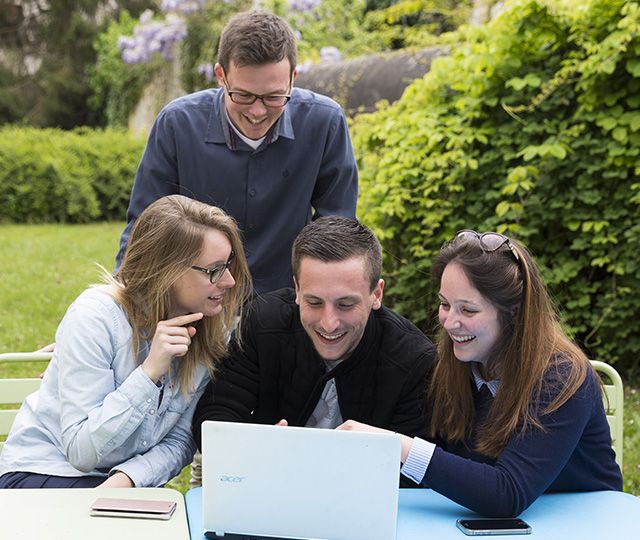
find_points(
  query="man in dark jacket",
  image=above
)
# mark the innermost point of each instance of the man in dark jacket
(327, 351)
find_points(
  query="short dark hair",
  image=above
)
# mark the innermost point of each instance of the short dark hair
(336, 238)
(255, 37)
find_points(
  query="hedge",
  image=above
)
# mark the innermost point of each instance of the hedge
(531, 128)
(50, 175)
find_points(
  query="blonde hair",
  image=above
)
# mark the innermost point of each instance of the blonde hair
(166, 240)
(533, 358)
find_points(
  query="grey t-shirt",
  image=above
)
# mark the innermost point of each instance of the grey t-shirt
(327, 414)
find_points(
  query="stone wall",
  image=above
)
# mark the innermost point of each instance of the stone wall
(358, 84)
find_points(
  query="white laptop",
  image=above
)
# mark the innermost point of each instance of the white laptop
(262, 481)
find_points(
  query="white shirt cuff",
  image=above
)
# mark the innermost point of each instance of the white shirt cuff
(418, 459)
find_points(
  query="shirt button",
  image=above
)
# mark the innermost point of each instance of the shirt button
(148, 400)
(152, 411)
(250, 226)
(252, 193)
(144, 443)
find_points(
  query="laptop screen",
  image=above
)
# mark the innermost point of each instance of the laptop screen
(299, 483)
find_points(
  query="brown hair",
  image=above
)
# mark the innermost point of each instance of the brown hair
(336, 238)
(166, 240)
(253, 38)
(531, 346)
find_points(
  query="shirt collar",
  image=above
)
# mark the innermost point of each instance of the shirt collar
(283, 127)
(219, 130)
(479, 381)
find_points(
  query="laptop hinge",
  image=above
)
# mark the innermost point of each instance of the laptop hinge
(212, 535)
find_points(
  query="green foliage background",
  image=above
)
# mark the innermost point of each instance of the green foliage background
(46, 50)
(50, 175)
(531, 128)
(357, 27)
(201, 44)
(116, 87)
(352, 26)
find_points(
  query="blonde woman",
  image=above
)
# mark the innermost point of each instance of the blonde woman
(516, 408)
(133, 356)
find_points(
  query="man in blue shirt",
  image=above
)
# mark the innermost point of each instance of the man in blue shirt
(272, 156)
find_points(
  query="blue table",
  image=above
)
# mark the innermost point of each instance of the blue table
(424, 514)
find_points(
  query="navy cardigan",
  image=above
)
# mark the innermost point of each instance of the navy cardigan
(573, 453)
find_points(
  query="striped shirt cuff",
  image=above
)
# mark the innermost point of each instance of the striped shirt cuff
(418, 459)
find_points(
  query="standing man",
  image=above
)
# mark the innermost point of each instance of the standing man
(272, 156)
(327, 351)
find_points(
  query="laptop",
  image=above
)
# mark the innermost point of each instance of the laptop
(274, 482)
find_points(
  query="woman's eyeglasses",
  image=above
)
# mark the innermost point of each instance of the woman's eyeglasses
(489, 241)
(216, 272)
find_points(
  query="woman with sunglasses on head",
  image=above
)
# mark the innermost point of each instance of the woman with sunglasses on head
(133, 356)
(516, 409)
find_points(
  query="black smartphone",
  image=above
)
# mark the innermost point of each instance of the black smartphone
(493, 526)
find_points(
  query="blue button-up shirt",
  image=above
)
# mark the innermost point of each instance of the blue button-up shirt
(304, 168)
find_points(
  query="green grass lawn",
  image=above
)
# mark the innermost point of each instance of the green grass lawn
(44, 267)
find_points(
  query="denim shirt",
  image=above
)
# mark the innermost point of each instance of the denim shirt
(97, 411)
(304, 168)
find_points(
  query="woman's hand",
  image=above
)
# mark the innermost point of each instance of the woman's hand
(352, 425)
(172, 339)
(117, 480)
(48, 348)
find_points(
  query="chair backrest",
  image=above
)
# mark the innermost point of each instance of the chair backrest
(613, 398)
(13, 391)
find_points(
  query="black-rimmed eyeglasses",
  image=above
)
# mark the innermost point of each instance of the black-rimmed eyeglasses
(274, 101)
(216, 272)
(489, 241)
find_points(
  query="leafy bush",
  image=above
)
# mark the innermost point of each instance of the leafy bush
(531, 128)
(49, 175)
(355, 28)
(200, 47)
(416, 23)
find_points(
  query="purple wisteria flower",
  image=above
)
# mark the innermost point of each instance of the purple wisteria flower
(207, 71)
(304, 5)
(181, 6)
(152, 36)
(330, 55)
(304, 67)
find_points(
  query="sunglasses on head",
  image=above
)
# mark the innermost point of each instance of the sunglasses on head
(489, 241)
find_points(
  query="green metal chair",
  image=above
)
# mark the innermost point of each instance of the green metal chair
(613, 397)
(13, 391)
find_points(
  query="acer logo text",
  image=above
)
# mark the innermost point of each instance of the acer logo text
(234, 479)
